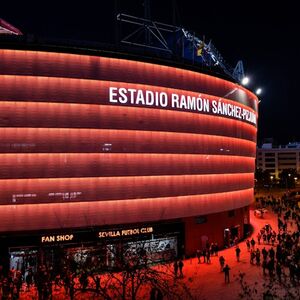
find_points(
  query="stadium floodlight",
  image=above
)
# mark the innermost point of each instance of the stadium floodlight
(245, 80)
(258, 91)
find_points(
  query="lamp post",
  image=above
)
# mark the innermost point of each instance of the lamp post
(286, 181)
(258, 91)
(271, 177)
(245, 80)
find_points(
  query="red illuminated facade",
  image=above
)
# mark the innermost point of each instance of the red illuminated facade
(73, 157)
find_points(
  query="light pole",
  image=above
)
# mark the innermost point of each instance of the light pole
(287, 179)
(245, 80)
(271, 177)
(258, 91)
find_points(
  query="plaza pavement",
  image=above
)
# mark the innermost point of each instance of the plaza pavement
(206, 281)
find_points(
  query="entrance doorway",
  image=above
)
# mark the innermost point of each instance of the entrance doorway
(231, 236)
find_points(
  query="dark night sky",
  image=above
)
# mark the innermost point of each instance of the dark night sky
(264, 36)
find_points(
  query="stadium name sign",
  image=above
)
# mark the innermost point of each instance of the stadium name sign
(130, 96)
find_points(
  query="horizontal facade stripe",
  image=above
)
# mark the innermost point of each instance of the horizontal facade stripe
(89, 214)
(51, 165)
(69, 115)
(25, 191)
(57, 140)
(38, 63)
(70, 90)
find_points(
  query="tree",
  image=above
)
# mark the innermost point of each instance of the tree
(270, 288)
(132, 273)
(287, 178)
(262, 178)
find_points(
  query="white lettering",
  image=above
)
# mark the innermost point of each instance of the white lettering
(182, 101)
(112, 94)
(149, 98)
(163, 99)
(140, 98)
(175, 101)
(123, 97)
(214, 107)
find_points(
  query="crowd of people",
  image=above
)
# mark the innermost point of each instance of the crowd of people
(283, 258)
(211, 249)
(43, 280)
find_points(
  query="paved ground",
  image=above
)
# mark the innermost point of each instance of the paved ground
(206, 281)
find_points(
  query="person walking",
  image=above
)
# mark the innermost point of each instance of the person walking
(208, 257)
(175, 266)
(248, 245)
(216, 249)
(222, 262)
(97, 284)
(257, 257)
(237, 253)
(278, 271)
(258, 237)
(198, 253)
(180, 266)
(264, 266)
(72, 290)
(252, 256)
(204, 255)
(226, 272)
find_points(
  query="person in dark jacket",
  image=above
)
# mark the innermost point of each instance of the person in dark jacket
(226, 272)
(237, 253)
(180, 266)
(175, 266)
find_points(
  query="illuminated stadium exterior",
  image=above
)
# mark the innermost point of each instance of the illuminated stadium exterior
(97, 147)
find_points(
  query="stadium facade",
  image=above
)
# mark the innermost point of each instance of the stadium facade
(98, 148)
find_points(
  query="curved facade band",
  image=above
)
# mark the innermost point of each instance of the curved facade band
(122, 142)
(72, 165)
(65, 65)
(70, 115)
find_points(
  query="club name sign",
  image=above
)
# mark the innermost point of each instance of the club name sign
(182, 101)
(125, 232)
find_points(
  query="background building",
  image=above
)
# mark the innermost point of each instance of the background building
(101, 147)
(275, 159)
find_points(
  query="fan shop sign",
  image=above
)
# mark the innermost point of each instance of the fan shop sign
(125, 232)
(57, 238)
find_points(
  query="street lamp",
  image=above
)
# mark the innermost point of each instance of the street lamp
(258, 91)
(287, 179)
(245, 80)
(271, 177)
